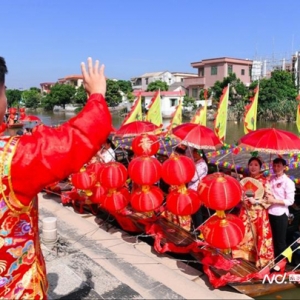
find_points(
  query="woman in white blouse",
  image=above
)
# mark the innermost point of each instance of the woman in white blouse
(107, 153)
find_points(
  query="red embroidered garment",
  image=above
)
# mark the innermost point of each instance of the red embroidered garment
(29, 163)
(257, 245)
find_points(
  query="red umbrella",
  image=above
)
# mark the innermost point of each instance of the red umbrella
(271, 140)
(197, 136)
(135, 128)
(31, 118)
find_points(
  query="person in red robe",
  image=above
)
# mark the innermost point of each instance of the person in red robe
(30, 162)
(257, 244)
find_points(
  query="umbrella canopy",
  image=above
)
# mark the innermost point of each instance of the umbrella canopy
(135, 128)
(197, 136)
(31, 118)
(271, 140)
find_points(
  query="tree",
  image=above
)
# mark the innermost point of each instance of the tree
(125, 86)
(32, 98)
(157, 85)
(238, 93)
(277, 96)
(188, 101)
(13, 97)
(60, 94)
(130, 97)
(113, 96)
(80, 96)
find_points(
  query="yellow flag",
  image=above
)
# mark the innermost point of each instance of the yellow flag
(221, 117)
(288, 252)
(298, 117)
(176, 118)
(135, 113)
(154, 112)
(200, 115)
(250, 117)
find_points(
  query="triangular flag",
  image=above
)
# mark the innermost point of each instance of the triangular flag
(250, 116)
(221, 117)
(288, 252)
(154, 113)
(135, 113)
(176, 118)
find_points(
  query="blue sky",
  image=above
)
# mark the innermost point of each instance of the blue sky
(43, 40)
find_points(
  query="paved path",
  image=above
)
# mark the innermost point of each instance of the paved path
(91, 262)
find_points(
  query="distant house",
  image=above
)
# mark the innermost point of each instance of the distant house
(142, 82)
(46, 86)
(75, 80)
(214, 69)
(169, 101)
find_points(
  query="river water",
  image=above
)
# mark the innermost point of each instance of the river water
(235, 130)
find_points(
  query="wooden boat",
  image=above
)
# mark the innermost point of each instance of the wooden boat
(15, 125)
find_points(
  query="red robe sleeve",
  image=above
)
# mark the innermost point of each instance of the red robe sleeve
(52, 154)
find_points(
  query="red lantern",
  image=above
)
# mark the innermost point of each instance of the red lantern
(178, 169)
(115, 200)
(183, 202)
(145, 144)
(22, 115)
(223, 233)
(98, 193)
(144, 170)
(146, 198)
(12, 116)
(113, 175)
(22, 109)
(83, 180)
(95, 168)
(219, 191)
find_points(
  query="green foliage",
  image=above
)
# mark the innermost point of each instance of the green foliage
(125, 86)
(130, 97)
(13, 97)
(113, 96)
(201, 95)
(277, 96)
(188, 101)
(32, 97)
(80, 96)
(60, 94)
(157, 85)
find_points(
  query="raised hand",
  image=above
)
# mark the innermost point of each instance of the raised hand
(93, 79)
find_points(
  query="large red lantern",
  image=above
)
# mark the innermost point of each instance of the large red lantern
(219, 191)
(223, 233)
(145, 144)
(115, 200)
(146, 198)
(113, 175)
(144, 170)
(178, 169)
(96, 168)
(97, 193)
(83, 180)
(183, 202)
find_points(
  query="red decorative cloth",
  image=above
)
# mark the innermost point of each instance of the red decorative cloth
(27, 164)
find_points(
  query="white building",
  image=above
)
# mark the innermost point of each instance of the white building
(142, 82)
(169, 101)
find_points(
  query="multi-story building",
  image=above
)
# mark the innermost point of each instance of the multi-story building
(75, 80)
(142, 82)
(215, 69)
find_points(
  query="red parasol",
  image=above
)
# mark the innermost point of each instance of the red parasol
(271, 140)
(136, 128)
(197, 136)
(31, 118)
